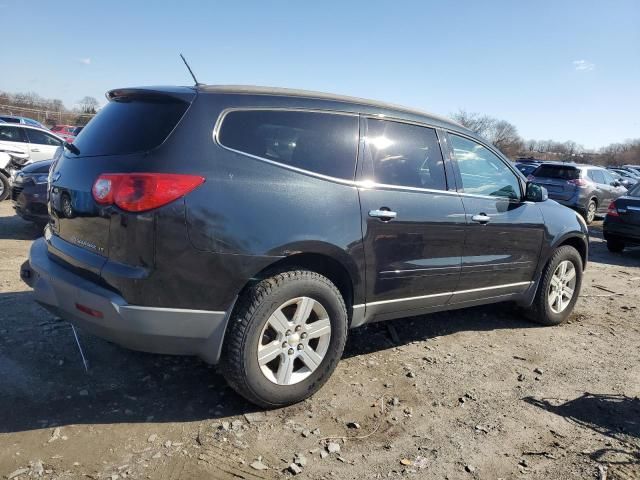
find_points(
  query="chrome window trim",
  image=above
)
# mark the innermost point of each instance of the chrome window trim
(226, 111)
(457, 292)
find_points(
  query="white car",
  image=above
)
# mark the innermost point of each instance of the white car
(40, 144)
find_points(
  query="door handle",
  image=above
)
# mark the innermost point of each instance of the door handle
(383, 214)
(481, 218)
(35, 149)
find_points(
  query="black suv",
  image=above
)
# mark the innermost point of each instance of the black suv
(254, 226)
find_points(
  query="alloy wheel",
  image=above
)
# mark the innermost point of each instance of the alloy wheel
(591, 212)
(562, 286)
(294, 341)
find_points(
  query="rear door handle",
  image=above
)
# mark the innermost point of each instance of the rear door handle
(383, 214)
(482, 218)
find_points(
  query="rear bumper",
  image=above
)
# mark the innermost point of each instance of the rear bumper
(31, 203)
(621, 231)
(148, 329)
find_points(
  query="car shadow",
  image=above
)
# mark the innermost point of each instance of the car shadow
(15, 228)
(44, 382)
(615, 416)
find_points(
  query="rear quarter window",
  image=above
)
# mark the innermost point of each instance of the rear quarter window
(130, 125)
(319, 142)
(557, 171)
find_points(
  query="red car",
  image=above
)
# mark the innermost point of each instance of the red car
(65, 131)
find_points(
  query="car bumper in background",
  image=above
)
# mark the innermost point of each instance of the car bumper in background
(30, 202)
(106, 314)
(626, 232)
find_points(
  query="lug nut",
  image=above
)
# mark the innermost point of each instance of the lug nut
(288, 332)
(303, 335)
(300, 346)
(298, 328)
(291, 351)
(285, 344)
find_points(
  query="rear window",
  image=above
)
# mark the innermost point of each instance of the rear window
(557, 171)
(130, 125)
(324, 143)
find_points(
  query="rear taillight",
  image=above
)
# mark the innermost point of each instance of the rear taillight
(137, 192)
(578, 182)
(612, 211)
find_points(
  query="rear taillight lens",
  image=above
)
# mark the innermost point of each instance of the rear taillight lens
(138, 192)
(578, 182)
(612, 211)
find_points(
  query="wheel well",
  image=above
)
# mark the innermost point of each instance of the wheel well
(322, 264)
(579, 245)
(595, 200)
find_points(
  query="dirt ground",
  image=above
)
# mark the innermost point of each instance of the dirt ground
(473, 394)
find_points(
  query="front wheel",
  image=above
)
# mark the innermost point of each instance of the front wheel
(285, 338)
(4, 187)
(559, 287)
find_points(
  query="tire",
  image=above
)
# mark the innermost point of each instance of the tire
(541, 311)
(615, 245)
(251, 326)
(5, 188)
(590, 213)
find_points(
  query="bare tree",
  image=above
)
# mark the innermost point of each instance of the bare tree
(88, 105)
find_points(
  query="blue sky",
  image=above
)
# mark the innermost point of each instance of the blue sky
(556, 69)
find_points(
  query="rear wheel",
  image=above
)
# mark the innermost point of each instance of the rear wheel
(590, 213)
(559, 287)
(285, 338)
(615, 245)
(4, 187)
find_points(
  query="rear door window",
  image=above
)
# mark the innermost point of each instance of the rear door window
(42, 138)
(405, 155)
(597, 176)
(130, 125)
(557, 171)
(320, 142)
(11, 134)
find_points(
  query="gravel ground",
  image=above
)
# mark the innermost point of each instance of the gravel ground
(474, 394)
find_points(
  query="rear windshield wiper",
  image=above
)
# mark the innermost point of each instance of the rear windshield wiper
(71, 147)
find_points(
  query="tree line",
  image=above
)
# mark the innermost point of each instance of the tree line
(49, 111)
(505, 137)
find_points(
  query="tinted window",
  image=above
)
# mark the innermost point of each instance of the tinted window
(319, 142)
(42, 138)
(482, 172)
(557, 171)
(608, 178)
(130, 125)
(11, 134)
(11, 119)
(597, 176)
(406, 155)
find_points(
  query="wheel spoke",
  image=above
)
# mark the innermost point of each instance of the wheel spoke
(266, 353)
(571, 274)
(303, 310)
(563, 269)
(283, 375)
(555, 281)
(568, 292)
(319, 328)
(553, 298)
(279, 321)
(310, 358)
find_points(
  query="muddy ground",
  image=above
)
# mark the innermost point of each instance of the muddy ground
(473, 394)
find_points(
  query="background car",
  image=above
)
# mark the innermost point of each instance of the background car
(626, 182)
(585, 188)
(66, 132)
(622, 223)
(22, 121)
(40, 144)
(29, 192)
(527, 168)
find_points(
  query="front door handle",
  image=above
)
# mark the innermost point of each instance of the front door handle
(383, 214)
(35, 149)
(481, 218)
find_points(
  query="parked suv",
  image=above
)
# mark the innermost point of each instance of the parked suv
(254, 226)
(585, 188)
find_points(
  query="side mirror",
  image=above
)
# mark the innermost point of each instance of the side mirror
(536, 193)
(615, 183)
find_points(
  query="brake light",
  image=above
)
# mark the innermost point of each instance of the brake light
(578, 182)
(138, 192)
(612, 211)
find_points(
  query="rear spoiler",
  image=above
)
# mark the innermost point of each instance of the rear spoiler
(184, 94)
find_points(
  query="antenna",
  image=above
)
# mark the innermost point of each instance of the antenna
(190, 71)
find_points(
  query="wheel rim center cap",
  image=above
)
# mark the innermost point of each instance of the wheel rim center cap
(294, 338)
